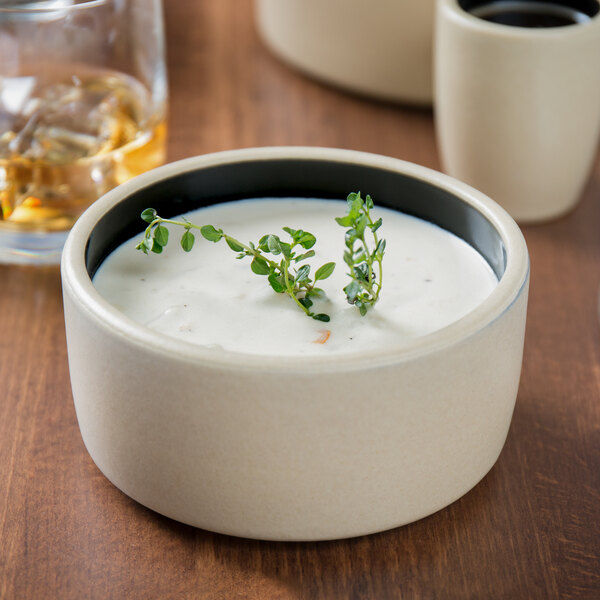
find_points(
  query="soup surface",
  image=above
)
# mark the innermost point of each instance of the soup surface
(431, 278)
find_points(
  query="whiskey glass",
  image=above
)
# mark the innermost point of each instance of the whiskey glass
(83, 99)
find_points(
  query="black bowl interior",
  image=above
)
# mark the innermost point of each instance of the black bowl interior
(302, 178)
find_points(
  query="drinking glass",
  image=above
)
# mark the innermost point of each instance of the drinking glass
(83, 97)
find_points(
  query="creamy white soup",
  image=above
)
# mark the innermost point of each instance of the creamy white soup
(207, 297)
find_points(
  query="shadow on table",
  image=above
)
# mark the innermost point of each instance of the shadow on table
(407, 560)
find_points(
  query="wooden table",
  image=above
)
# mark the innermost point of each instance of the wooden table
(530, 529)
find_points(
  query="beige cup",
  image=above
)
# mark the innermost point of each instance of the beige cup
(518, 108)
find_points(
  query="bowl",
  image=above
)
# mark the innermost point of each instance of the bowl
(359, 443)
(381, 48)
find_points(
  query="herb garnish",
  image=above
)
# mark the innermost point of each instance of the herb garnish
(287, 272)
(363, 291)
(295, 282)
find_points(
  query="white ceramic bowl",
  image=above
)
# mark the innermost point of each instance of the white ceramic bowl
(381, 48)
(358, 443)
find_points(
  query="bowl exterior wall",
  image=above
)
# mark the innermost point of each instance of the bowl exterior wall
(294, 456)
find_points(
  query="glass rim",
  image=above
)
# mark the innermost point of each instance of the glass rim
(44, 7)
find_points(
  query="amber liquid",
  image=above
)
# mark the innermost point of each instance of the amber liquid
(64, 144)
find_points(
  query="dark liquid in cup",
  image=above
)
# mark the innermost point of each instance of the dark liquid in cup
(529, 14)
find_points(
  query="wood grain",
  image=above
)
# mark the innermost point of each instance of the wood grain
(528, 530)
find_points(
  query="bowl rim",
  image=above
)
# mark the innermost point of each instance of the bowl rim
(78, 283)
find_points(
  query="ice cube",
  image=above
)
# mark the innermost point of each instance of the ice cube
(15, 92)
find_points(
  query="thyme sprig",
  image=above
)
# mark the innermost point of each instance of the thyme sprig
(286, 268)
(365, 264)
(287, 274)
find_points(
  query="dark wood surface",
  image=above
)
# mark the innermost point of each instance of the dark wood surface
(530, 529)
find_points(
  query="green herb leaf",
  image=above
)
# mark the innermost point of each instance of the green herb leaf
(187, 240)
(359, 227)
(344, 221)
(149, 215)
(233, 244)
(276, 282)
(306, 302)
(356, 203)
(352, 290)
(156, 247)
(322, 317)
(359, 256)
(375, 226)
(286, 249)
(302, 274)
(324, 271)
(351, 237)
(161, 235)
(362, 271)
(304, 256)
(307, 240)
(263, 243)
(260, 266)
(210, 233)
(316, 292)
(273, 244)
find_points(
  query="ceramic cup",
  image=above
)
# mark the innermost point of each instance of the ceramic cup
(358, 443)
(380, 48)
(518, 107)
